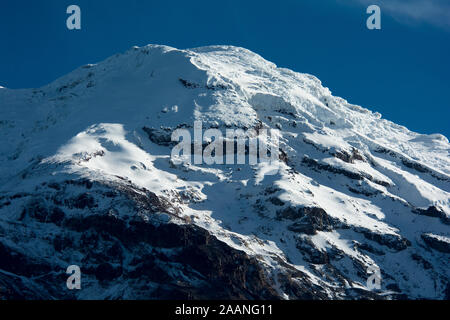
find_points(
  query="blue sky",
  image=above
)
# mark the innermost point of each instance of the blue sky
(401, 71)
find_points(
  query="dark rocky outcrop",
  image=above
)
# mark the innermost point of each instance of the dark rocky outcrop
(367, 247)
(162, 137)
(436, 242)
(434, 212)
(308, 220)
(349, 157)
(349, 174)
(392, 241)
(156, 252)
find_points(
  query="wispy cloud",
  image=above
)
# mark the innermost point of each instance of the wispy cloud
(434, 12)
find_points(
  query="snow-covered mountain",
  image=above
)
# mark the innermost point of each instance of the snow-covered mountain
(87, 179)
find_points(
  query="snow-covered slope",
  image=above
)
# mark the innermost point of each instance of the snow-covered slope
(87, 179)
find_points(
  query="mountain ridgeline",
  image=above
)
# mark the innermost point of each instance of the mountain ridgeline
(87, 179)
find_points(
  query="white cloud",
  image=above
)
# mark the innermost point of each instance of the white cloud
(434, 12)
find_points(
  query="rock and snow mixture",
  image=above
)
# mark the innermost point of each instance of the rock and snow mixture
(87, 179)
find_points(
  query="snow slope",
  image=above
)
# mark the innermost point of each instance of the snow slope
(354, 191)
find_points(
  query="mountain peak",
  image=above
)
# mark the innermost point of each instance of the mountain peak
(354, 192)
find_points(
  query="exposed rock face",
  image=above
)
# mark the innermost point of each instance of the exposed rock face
(435, 213)
(307, 220)
(349, 157)
(87, 179)
(159, 136)
(349, 174)
(110, 245)
(394, 242)
(436, 242)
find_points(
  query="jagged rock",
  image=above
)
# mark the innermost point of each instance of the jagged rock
(159, 136)
(367, 247)
(276, 201)
(307, 220)
(349, 157)
(225, 273)
(311, 253)
(350, 174)
(391, 241)
(439, 243)
(434, 212)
